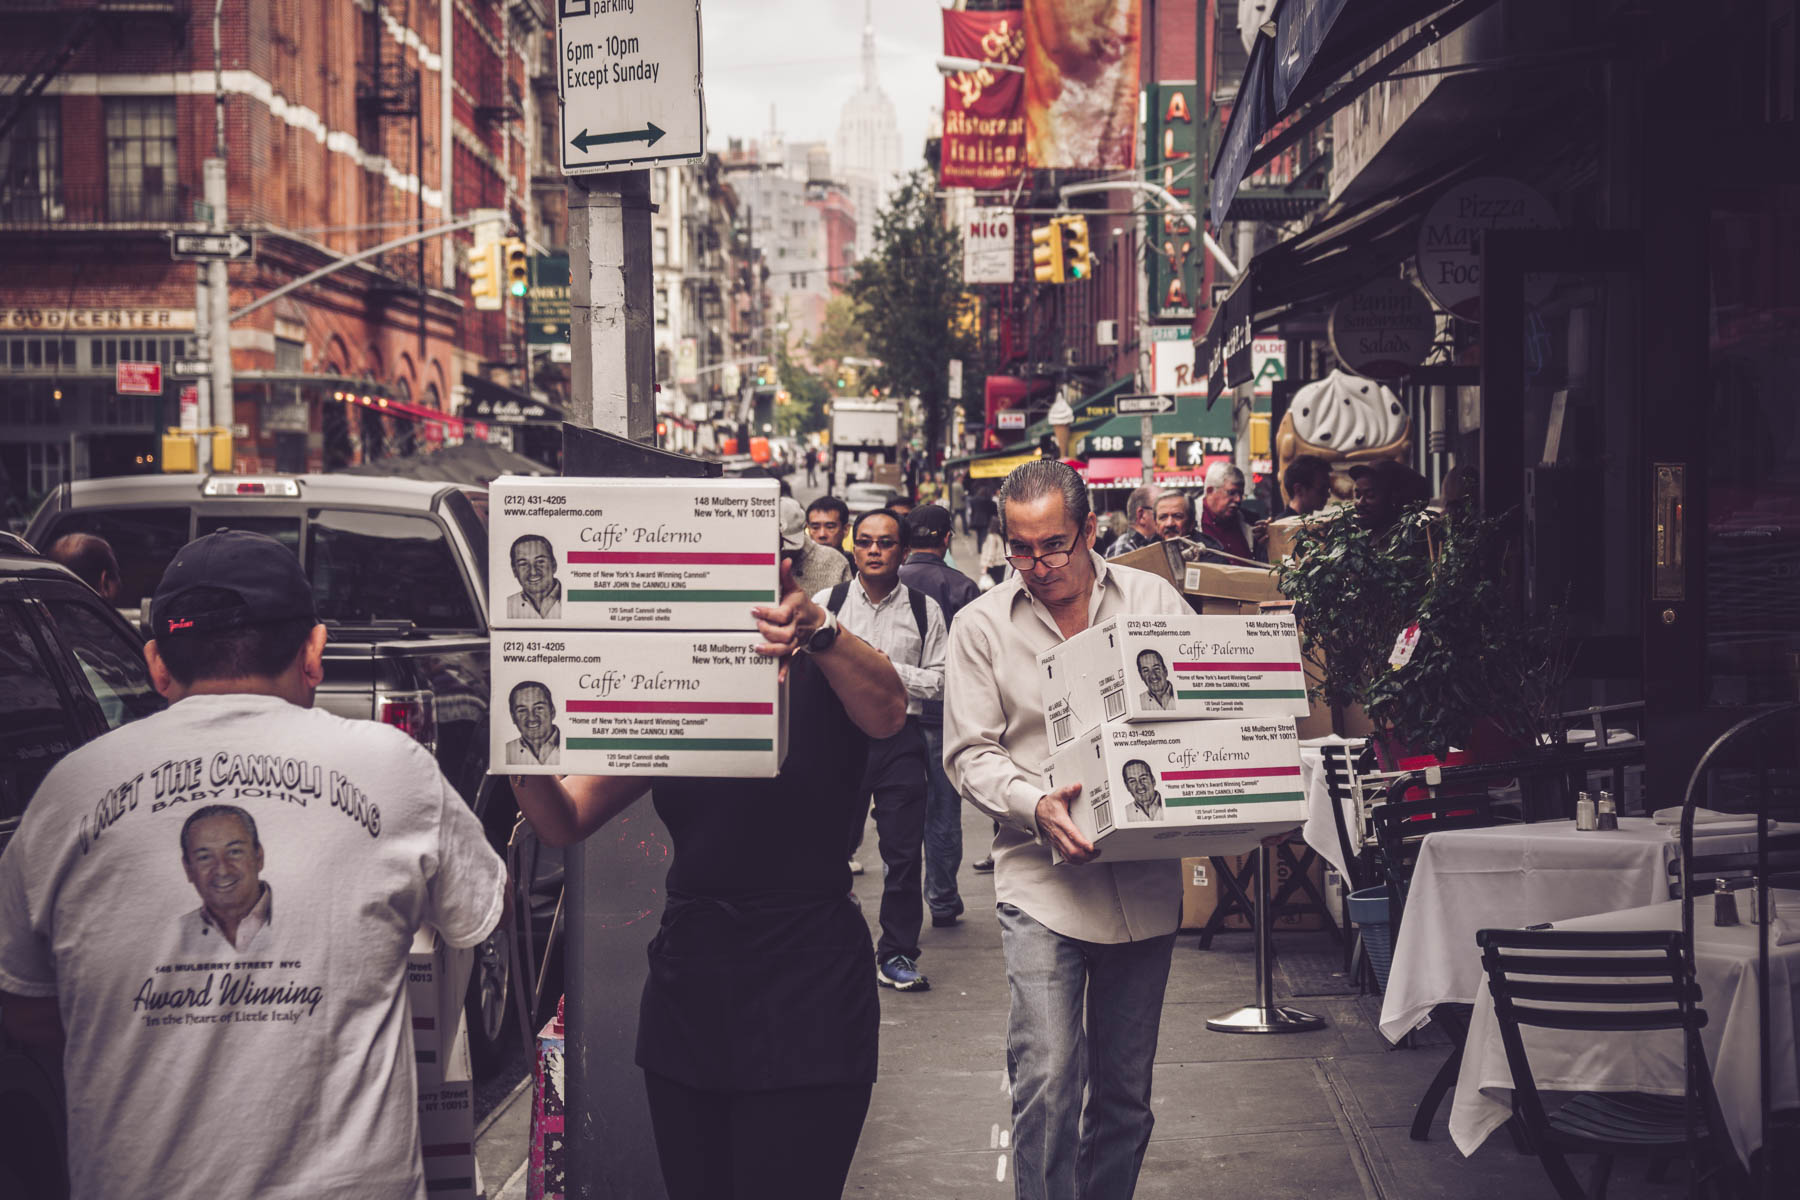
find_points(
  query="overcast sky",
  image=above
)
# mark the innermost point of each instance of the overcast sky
(805, 57)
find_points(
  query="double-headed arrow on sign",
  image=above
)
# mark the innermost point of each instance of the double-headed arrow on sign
(649, 135)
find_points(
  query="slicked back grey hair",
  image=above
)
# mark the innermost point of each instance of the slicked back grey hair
(1145, 496)
(1035, 480)
(1221, 474)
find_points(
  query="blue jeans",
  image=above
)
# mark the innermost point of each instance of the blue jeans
(1084, 1019)
(943, 829)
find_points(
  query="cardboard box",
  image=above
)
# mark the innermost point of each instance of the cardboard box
(546, 1179)
(447, 1141)
(1244, 587)
(641, 554)
(1215, 787)
(1158, 558)
(1236, 667)
(437, 980)
(1284, 531)
(639, 704)
(1200, 891)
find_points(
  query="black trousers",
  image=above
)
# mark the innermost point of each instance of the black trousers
(895, 778)
(795, 1143)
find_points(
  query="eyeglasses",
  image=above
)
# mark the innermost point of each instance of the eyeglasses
(871, 543)
(1024, 562)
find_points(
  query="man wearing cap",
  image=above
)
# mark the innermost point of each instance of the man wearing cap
(927, 534)
(94, 945)
(815, 566)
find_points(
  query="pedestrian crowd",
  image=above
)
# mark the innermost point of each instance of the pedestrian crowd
(915, 686)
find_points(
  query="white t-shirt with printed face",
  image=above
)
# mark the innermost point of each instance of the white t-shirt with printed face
(235, 1002)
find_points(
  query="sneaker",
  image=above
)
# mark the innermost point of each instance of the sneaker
(983, 865)
(855, 867)
(901, 974)
(939, 920)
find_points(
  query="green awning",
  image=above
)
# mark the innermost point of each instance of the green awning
(1027, 443)
(1191, 416)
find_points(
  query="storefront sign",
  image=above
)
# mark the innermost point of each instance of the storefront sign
(1081, 110)
(988, 246)
(138, 379)
(1450, 238)
(1172, 135)
(1010, 418)
(1172, 361)
(1383, 329)
(1229, 361)
(96, 320)
(984, 111)
(190, 409)
(1268, 364)
(547, 300)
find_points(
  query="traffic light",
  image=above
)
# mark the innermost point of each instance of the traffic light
(484, 276)
(1078, 259)
(518, 267)
(1047, 252)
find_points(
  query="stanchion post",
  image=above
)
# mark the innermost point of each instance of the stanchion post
(1264, 1016)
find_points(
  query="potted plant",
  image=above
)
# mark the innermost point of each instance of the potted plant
(1479, 676)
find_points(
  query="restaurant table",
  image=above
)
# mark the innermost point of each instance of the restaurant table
(1651, 1061)
(1511, 876)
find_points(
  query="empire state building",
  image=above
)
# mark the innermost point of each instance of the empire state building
(867, 153)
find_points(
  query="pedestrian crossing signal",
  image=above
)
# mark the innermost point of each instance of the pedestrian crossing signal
(518, 267)
(1047, 252)
(1078, 258)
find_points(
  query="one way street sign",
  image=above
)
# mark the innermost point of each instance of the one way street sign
(1144, 405)
(628, 76)
(210, 245)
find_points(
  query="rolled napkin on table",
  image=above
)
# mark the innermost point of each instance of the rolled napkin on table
(1702, 816)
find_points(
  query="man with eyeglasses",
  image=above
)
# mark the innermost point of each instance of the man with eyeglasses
(1087, 942)
(908, 627)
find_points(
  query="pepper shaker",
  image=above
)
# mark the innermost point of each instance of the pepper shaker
(1724, 903)
(1606, 812)
(1586, 816)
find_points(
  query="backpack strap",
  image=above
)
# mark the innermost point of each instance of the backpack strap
(839, 593)
(918, 606)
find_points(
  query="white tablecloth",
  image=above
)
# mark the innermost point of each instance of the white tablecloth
(1320, 832)
(1725, 964)
(1508, 877)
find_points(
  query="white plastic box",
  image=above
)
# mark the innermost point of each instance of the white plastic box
(632, 553)
(636, 704)
(1200, 666)
(1182, 789)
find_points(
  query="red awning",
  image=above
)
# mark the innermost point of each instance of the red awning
(1112, 470)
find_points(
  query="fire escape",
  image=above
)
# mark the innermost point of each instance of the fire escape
(390, 125)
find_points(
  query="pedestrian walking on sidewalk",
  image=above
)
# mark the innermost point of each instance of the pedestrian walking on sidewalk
(926, 571)
(1087, 943)
(908, 627)
(758, 1027)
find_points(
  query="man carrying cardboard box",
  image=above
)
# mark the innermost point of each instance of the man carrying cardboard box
(261, 1046)
(1087, 943)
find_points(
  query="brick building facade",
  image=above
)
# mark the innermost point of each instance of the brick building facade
(337, 125)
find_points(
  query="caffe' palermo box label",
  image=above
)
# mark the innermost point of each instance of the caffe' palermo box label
(631, 553)
(580, 703)
(1180, 789)
(1166, 668)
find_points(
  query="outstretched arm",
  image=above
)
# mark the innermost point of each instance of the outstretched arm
(565, 810)
(863, 678)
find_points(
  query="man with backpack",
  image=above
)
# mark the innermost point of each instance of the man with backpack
(907, 626)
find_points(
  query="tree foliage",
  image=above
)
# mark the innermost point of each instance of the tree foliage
(908, 298)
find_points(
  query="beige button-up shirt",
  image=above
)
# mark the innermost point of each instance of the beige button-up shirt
(996, 750)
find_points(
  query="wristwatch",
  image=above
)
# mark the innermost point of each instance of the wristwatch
(824, 637)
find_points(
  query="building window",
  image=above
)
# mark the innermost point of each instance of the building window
(659, 186)
(659, 243)
(45, 467)
(31, 166)
(290, 357)
(141, 172)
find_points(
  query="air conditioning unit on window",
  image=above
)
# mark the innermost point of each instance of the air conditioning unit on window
(1106, 333)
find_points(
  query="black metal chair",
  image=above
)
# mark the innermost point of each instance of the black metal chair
(1699, 874)
(1599, 984)
(1400, 829)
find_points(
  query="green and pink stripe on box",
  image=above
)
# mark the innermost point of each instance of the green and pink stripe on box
(669, 558)
(1233, 773)
(1192, 668)
(640, 741)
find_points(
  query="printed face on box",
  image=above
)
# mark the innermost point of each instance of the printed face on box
(1140, 784)
(1154, 671)
(534, 566)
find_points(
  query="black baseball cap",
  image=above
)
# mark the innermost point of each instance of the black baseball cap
(263, 574)
(927, 525)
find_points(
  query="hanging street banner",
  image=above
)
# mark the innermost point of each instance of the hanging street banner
(1172, 139)
(1081, 84)
(547, 301)
(988, 245)
(628, 79)
(984, 111)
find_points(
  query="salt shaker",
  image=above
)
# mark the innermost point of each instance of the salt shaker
(1586, 816)
(1724, 903)
(1606, 813)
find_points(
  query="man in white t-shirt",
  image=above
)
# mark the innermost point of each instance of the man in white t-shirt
(367, 842)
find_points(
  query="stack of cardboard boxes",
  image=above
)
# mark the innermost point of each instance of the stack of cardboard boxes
(1180, 731)
(437, 977)
(643, 651)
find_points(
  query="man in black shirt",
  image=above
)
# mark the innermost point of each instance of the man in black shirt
(757, 1033)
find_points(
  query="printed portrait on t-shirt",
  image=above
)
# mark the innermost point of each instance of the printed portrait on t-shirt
(540, 592)
(1140, 784)
(534, 714)
(222, 855)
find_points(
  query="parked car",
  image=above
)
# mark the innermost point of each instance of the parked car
(399, 571)
(71, 669)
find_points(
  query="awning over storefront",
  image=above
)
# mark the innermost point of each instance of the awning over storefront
(1094, 409)
(501, 405)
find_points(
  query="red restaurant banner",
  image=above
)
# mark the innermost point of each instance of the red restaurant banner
(1081, 83)
(984, 115)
